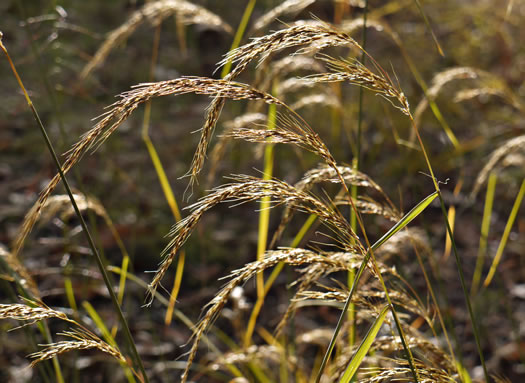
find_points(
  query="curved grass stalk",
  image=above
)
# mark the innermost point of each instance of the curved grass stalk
(96, 254)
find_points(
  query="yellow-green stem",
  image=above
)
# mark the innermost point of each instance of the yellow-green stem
(239, 34)
(264, 221)
(485, 226)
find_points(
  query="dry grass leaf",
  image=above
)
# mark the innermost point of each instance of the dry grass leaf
(154, 12)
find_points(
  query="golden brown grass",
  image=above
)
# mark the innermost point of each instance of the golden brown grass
(83, 339)
(154, 12)
(318, 269)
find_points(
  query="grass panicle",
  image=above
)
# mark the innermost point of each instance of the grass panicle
(154, 12)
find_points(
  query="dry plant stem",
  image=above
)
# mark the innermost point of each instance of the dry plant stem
(80, 217)
(456, 255)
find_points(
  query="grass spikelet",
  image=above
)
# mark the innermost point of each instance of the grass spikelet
(286, 7)
(154, 12)
(254, 353)
(425, 373)
(438, 83)
(298, 35)
(325, 173)
(288, 129)
(83, 340)
(19, 311)
(294, 257)
(507, 149)
(122, 109)
(246, 189)
(356, 73)
(292, 84)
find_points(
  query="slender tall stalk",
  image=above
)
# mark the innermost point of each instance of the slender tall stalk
(85, 229)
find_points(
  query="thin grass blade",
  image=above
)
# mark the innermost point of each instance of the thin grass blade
(506, 233)
(365, 345)
(396, 228)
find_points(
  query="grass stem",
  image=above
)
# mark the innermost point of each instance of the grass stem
(91, 243)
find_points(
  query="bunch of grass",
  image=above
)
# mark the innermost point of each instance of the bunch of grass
(368, 292)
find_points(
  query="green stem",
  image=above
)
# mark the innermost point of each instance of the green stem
(89, 238)
(239, 34)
